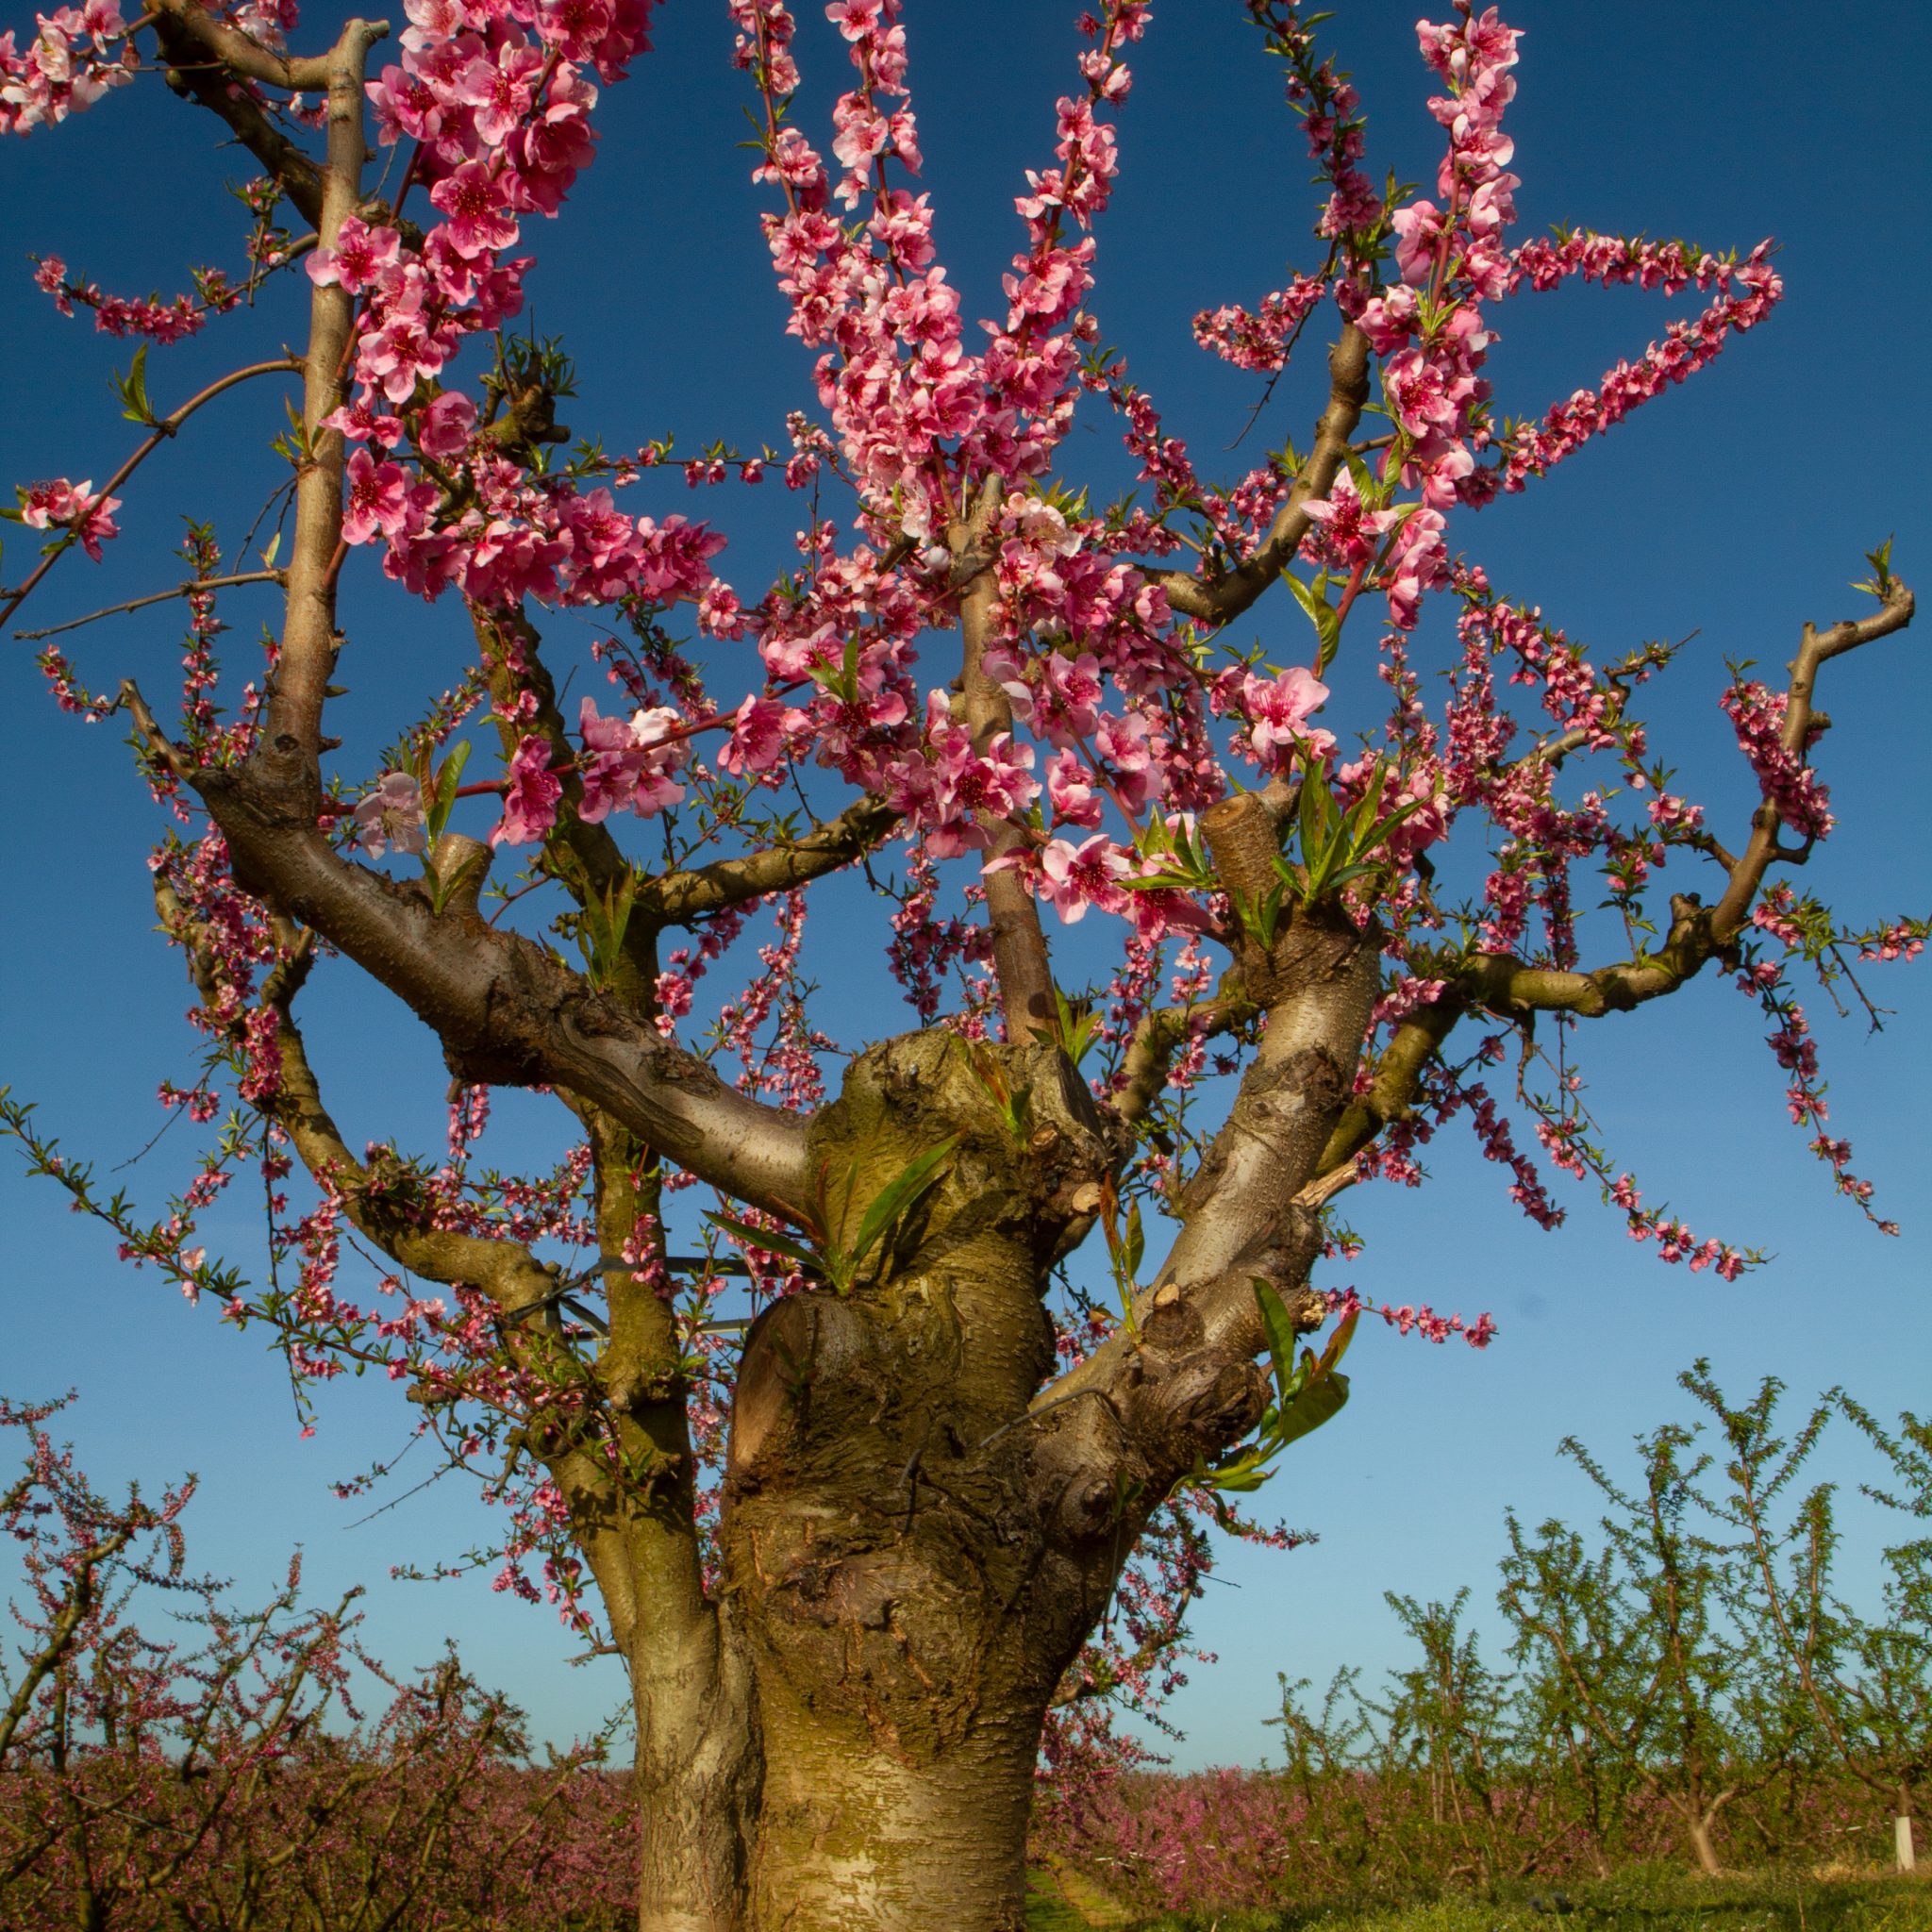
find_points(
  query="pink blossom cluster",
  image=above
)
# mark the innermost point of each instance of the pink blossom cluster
(67, 66)
(686, 965)
(1675, 1240)
(1795, 1049)
(899, 384)
(1260, 341)
(1326, 103)
(1800, 797)
(1407, 1320)
(925, 946)
(1429, 329)
(1903, 940)
(65, 688)
(767, 1027)
(1616, 260)
(148, 316)
(498, 107)
(1532, 448)
(72, 508)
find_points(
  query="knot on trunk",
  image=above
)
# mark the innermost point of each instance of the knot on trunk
(812, 1367)
(1027, 1136)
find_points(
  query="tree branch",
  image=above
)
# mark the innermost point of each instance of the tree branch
(1216, 600)
(507, 1011)
(187, 589)
(1505, 984)
(1179, 1376)
(250, 60)
(193, 76)
(676, 898)
(1020, 959)
(1392, 1087)
(165, 429)
(290, 746)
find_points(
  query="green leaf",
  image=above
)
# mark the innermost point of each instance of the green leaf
(765, 1239)
(443, 790)
(1242, 1477)
(133, 389)
(1318, 1403)
(1279, 1328)
(1361, 814)
(900, 1197)
(1320, 612)
(1879, 583)
(1338, 1345)
(1078, 1028)
(1314, 809)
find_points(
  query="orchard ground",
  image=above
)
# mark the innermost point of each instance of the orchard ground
(1644, 1899)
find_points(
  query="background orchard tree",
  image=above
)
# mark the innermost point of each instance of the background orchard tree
(1175, 948)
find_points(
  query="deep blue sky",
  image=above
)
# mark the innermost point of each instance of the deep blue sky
(1737, 507)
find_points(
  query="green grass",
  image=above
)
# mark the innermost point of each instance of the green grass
(1047, 1910)
(1656, 1900)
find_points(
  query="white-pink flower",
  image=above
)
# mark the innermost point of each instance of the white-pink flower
(392, 815)
(1073, 877)
(1279, 707)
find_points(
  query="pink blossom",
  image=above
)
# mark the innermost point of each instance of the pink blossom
(1350, 528)
(392, 815)
(500, 90)
(1070, 791)
(478, 208)
(761, 728)
(445, 428)
(73, 506)
(1278, 709)
(531, 791)
(375, 498)
(1072, 877)
(358, 257)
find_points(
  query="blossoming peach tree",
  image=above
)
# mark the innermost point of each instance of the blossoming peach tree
(855, 1547)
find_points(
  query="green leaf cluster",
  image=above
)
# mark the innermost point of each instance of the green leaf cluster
(885, 1219)
(1309, 1391)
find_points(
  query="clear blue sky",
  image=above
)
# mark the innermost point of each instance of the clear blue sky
(1737, 507)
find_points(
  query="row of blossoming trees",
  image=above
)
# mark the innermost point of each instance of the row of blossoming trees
(856, 1557)
(172, 1758)
(1688, 1678)
(1700, 1677)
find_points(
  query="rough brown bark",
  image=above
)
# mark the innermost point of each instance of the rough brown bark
(904, 1579)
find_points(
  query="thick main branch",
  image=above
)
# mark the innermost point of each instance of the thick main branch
(507, 1011)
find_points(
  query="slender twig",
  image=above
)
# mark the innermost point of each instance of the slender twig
(187, 589)
(163, 429)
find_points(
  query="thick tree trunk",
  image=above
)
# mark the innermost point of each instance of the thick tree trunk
(914, 1546)
(856, 1836)
(907, 1584)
